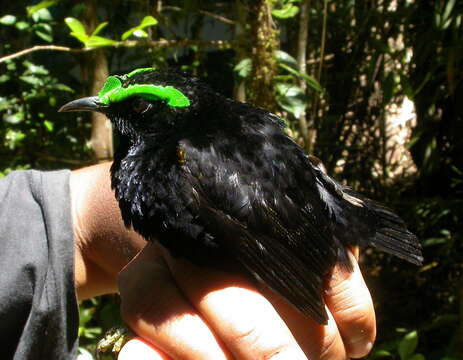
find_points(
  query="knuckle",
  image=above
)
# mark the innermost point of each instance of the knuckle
(266, 347)
(283, 352)
(329, 348)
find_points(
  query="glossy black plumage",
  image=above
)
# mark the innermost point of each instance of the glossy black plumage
(220, 178)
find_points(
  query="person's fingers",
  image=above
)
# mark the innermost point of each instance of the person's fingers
(349, 301)
(319, 342)
(155, 309)
(243, 319)
(137, 348)
(245, 322)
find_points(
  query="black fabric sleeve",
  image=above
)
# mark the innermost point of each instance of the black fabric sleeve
(38, 307)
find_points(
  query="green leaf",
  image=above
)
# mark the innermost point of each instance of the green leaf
(434, 241)
(10, 65)
(32, 68)
(291, 98)
(44, 36)
(77, 28)
(138, 30)
(128, 33)
(4, 78)
(408, 345)
(8, 20)
(314, 84)
(31, 10)
(44, 31)
(243, 68)
(13, 138)
(22, 25)
(284, 58)
(15, 118)
(380, 354)
(31, 80)
(98, 41)
(148, 21)
(99, 28)
(448, 10)
(140, 33)
(287, 12)
(41, 15)
(418, 357)
(48, 125)
(62, 87)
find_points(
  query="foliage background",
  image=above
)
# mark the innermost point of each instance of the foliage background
(332, 69)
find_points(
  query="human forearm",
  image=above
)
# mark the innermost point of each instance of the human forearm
(103, 244)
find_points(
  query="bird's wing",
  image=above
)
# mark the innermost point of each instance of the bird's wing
(260, 203)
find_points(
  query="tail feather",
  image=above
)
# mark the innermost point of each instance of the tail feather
(390, 232)
(362, 221)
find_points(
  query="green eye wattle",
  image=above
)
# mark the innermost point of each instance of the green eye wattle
(113, 91)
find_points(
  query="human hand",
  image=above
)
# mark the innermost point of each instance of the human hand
(185, 312)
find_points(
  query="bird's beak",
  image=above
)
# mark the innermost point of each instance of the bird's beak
(92, 103)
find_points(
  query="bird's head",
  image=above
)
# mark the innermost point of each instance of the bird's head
(146, 101)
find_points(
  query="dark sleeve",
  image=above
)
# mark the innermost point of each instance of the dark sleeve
(38, 306)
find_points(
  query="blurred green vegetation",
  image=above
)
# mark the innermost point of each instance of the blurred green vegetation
(334, 89)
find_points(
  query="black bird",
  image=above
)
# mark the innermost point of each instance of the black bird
(212, 178)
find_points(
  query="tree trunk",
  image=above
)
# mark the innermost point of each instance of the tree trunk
(95, 71)
(265, 41)
(302, 62)
(242, 48)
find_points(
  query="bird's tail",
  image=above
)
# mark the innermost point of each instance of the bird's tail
(390, 233)
(362, 221)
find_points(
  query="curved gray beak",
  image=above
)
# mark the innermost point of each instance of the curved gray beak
(91, 103)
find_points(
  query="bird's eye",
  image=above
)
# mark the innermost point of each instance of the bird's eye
(140, 105)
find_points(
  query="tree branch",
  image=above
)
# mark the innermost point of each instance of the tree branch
(127, 43)
(41, 48)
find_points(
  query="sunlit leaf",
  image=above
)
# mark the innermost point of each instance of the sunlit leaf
(288, 11)
(283, 57)
(4, 78)
(8, 20)
(243, 68)
(76, 27)
(48, 125)
(314, 84)
(35, 69)
(408, 345)
(99, 28)
(138, 30)
(291, 98)
(140, 33)
(31, 80)
(14, 118)
(98, 41)
(450, 4)
(380, 354)
(62, 87)
(31, 10)
(42, 15)
(13, 138)
(44, 36)
(22, 25)
(148, 21)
